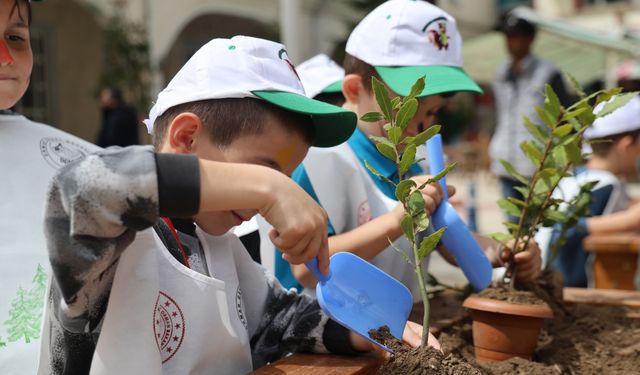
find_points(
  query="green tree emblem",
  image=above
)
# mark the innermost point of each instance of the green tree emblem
(26, 310)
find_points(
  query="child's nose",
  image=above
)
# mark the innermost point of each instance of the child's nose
(5, 55)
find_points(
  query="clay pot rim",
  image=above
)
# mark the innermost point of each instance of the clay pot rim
(508, 308)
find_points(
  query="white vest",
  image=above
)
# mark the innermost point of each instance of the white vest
(351, 198)
(30, 154)
(164, 318)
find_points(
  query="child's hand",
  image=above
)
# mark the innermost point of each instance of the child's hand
(411, 336)
(299, 224)
(528, 261)
(432, 193)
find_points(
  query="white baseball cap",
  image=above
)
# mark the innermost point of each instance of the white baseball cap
(622, 120)
(320, 75)
(407, 39)
(246, 67)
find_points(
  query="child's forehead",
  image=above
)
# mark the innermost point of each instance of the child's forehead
(15, 12)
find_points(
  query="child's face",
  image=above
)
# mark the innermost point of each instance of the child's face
(16, 59)
(277, 148)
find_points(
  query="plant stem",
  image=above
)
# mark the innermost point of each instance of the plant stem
(423, 291)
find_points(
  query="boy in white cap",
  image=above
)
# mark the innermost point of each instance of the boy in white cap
(612, 161)
(398, 42)
(30, 153)
(185, 297)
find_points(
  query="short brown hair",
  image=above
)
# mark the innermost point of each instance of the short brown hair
(353, 65)
(603, 146)
(228, 119)
(16, 7)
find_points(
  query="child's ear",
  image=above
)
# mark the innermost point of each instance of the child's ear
(183, 132)
(352, 88)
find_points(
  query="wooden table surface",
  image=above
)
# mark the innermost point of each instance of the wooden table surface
(619, 242)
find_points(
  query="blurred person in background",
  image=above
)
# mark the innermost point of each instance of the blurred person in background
(119, 120)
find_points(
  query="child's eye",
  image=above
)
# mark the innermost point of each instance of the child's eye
(15, 38)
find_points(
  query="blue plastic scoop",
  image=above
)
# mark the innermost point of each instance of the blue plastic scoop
(457, 238)
(362, 297)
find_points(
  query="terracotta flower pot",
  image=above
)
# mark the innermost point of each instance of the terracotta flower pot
(502, 330)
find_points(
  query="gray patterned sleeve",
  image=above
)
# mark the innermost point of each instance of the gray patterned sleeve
(94, 208)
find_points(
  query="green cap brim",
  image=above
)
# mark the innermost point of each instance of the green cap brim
(441, 79)
(333, 125)
(333, 88)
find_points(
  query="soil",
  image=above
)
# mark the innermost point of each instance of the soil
(581, 339)
(419, 361)
(507, 294)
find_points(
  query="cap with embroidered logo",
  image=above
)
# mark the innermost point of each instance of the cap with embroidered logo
(407, 39)
(320, 75)
(246, 67)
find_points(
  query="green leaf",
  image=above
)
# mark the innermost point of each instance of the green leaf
(382, 97)
(395, 102)
(569, 115)
(429, 243)
(408, 157)
(574, 83)
(421, 222)
(377, 174)
(407, 227)
(394, 135)
(372, 117)
(407, 111)
(616, 103)
(426, 135)
(537, 131)
(516, 201)
(501, 237)
(546, 117)
(388, 151)
(573, 153)
(556, 216)
(508, 207)
(606, 95)
(438, 176)
(513, 173)
(532, 151)
(403, 189)
(562, 130)
(383, 140)
(551, 101)
(416, 204)
(417, 87)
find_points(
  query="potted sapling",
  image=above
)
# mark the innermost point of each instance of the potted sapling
(397, 113)
(507, 318)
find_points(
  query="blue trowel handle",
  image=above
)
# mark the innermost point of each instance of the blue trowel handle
(312, 265)
(436, 161)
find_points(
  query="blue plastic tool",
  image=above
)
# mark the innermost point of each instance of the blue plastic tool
(362, 297)
(457, 238)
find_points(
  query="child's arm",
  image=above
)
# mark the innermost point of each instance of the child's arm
(622, 221)
(96, 205)
(369, 239)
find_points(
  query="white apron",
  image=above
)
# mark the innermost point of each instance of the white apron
(164, 318)
(30, 154)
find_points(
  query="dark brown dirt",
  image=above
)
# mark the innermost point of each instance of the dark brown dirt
(581, 339)
(507, 294)
(419, 361)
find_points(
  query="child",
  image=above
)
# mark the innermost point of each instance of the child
(185, 297)
(30, 153)
(398, 42)
(613, 159)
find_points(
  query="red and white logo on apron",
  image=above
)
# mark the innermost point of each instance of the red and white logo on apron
(168, 326)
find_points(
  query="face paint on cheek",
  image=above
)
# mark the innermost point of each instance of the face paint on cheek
(5, 55)
(283, 157)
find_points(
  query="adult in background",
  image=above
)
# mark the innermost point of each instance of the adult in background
(119, 120)
(519, 88)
